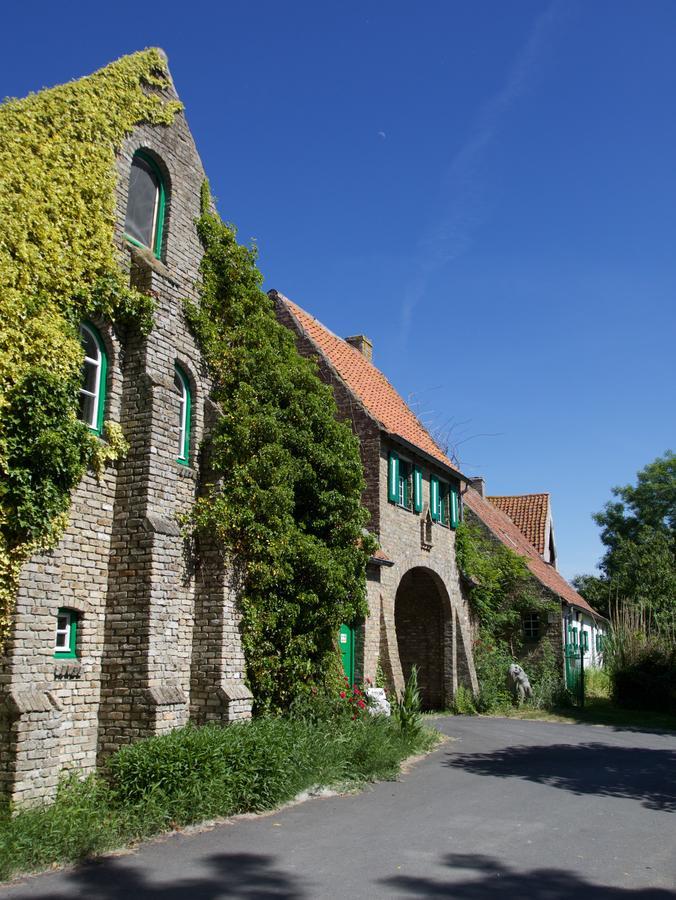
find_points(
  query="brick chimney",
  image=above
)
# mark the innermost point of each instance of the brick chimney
(363, 344)
(479, 485)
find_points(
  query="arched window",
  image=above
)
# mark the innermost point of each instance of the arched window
(183, 387)
(65, 639)
(94, 369)
(145, 204)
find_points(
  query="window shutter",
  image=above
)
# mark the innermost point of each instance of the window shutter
(453, 499)
(393, 478)
(417, 489)
(434, 498)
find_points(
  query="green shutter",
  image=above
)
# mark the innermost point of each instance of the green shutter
(454, 506)
(393, 478)
(417, 489)
(434, 498)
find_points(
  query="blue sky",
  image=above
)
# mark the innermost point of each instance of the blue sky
(488, 190)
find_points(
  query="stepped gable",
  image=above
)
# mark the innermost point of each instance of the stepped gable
(529, 512)
(368, 384)
(508, 533)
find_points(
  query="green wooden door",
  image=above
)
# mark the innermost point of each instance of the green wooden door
(346, 644)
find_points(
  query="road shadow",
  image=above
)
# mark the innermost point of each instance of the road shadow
(478, 877)
(636, 773)
(245, 875)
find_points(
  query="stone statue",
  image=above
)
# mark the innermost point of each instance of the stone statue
(518, 683)
(379, 705)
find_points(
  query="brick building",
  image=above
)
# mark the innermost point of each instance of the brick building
(121, 632)
(523, 523)
(417, 613)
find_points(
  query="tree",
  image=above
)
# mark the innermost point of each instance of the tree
(639, 533)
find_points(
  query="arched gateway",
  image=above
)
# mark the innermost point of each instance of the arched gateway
(423, 625)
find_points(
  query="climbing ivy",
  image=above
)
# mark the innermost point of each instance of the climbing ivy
(502, 591)
(58, 265)
(284, 496)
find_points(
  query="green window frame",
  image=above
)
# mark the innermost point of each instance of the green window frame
(434, 498)
(94, 378)
(160, 207)
(454, 503)
(65, 642)
(184, 415)
(585, 640)
(393, 477)
(417, 489)
(404, 489)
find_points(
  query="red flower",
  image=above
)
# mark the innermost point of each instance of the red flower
(342, 694)
(361, 704)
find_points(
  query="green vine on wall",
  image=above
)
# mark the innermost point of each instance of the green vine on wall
(502, 591)
(58, 266)
(285, 493)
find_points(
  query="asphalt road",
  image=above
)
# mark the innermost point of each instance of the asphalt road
(509, 808)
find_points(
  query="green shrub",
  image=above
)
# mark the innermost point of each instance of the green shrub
(463, 702)
(492, 660)
(649, 682)
(193, 774)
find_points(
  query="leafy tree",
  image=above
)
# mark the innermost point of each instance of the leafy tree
(639, 533)
(285, 499)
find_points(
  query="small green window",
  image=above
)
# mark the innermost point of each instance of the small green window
(184, 409)
(144, 223)
(65, 643)
(94, 373)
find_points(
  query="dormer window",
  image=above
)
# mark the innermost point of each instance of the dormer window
(145, 204)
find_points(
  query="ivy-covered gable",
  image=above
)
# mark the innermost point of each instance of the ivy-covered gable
(58, 266)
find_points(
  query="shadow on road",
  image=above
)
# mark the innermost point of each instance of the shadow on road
(246, 875)
(636, 773)
(492, 879)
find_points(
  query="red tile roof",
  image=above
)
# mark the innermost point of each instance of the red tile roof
(529, 512)
(367, 383)
(511, 536)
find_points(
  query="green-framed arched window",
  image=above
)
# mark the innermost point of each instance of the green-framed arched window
(184, 410)
(146, 200)
(94, 374)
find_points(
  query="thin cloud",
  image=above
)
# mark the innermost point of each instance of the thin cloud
(462, 193)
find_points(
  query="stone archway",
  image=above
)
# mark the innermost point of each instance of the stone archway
(422, 622)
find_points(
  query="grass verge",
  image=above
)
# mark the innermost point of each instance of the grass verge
(597, 711)
(194, 774)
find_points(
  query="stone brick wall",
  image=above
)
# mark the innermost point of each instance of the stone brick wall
(145, 665)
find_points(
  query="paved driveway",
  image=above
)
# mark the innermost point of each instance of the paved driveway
(507, 809)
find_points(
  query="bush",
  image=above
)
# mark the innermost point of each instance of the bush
(649, 682)
(492, 660)
(193, 774)
(463, 702)
(641, 662)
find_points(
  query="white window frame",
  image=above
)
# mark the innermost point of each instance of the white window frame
(96, 393)
(67, 631)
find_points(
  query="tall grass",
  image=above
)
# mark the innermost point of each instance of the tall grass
(640, 658)
(194, 774)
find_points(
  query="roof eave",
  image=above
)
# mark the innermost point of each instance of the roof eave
(414, 448)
